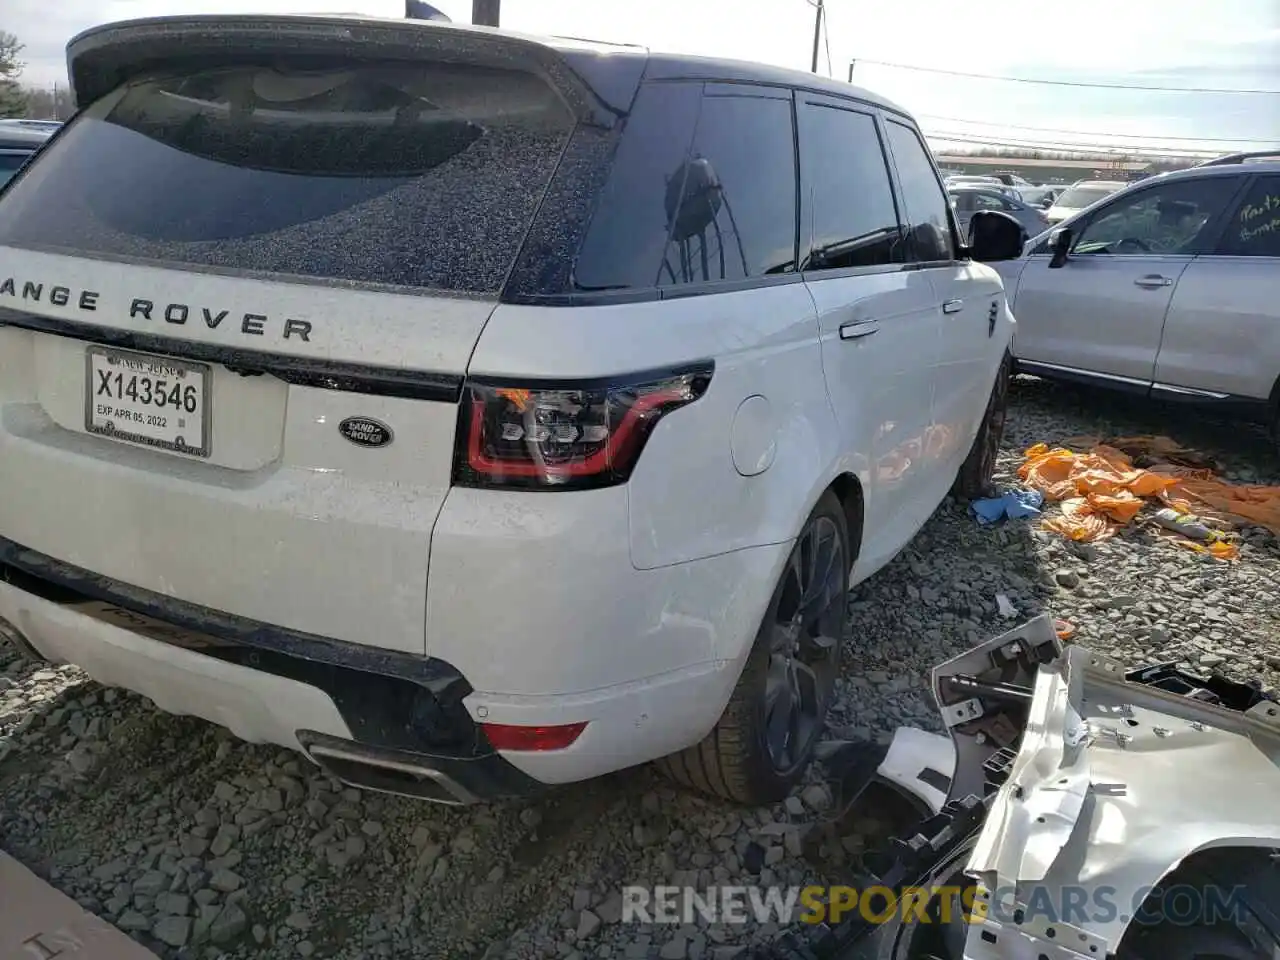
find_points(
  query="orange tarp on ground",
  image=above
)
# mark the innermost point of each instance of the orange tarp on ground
(1095, 488)
(1102, 488)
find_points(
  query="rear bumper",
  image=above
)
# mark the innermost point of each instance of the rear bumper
(375, 718)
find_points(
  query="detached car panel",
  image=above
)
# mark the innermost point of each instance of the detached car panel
(1075, 808)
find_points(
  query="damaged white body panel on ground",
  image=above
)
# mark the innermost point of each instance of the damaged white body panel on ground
(1077, 810)
(1116, 784)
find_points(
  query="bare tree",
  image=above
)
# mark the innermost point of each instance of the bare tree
(49, 103)
(13, 99)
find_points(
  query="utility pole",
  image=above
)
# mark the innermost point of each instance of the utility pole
(484, 13)
(817, 33)
(852, 64)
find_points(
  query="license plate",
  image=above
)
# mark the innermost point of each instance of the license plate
(149, 400)
(146, 626)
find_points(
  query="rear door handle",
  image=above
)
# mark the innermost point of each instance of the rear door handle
(953, 306)
(1153, 280)
(857, 329)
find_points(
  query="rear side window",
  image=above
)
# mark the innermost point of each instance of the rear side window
(422, 175)
(1254, 228)
(851, 219)
(703, 189)
(732, 208)
(922, 195)
(625, 241)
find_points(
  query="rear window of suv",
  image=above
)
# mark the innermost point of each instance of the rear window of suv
(423, 175)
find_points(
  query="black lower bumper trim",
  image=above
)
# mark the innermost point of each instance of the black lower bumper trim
(436, 777)
(391, 701)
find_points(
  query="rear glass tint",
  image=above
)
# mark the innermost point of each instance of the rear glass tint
(625, 241)
(422, 175)
(686, 202)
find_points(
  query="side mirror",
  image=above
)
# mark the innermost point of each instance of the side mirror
(995, 236)
(1060, 246)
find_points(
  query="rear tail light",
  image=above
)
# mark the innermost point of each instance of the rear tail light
(565, 436)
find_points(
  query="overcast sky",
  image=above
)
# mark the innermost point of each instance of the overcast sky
(1174, 43)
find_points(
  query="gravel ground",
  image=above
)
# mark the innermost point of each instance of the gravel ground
(201, 846)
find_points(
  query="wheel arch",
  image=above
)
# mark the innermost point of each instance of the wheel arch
(848, 490)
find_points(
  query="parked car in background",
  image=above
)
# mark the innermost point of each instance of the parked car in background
(967, 199)
(991, 183)
(503, 443)
(1042, 196)
(18, 143)
(1011, 179)
(47, 125)
(1169, 288)
(1080, 195)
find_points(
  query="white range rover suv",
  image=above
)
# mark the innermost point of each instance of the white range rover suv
(472, 412)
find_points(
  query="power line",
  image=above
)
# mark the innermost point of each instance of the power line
(1093, 133)
(1114, 149)
(961, 136)
(1014, 138)
(1067, 148)
(1063, 83)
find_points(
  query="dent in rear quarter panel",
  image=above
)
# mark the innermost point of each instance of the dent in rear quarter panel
(687, 499)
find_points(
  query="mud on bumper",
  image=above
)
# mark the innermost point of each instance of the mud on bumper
(410, 732)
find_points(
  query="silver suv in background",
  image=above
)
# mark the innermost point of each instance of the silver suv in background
(1170, 287)
(1080, 195)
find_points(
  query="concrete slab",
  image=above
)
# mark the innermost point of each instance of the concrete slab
(39, 923)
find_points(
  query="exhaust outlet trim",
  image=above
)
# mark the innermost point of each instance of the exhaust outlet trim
(384, 771)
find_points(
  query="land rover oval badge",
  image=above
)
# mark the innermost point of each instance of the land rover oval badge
(365, 432)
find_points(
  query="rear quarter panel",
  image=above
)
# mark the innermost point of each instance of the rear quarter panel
(688, 499)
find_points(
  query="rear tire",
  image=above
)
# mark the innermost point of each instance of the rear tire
(976, 478)
(759, 749)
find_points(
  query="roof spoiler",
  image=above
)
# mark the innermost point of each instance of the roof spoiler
(1234, 158)
(102, 58)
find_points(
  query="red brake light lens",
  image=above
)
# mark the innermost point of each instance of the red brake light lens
(565, 437)
(504, 736)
